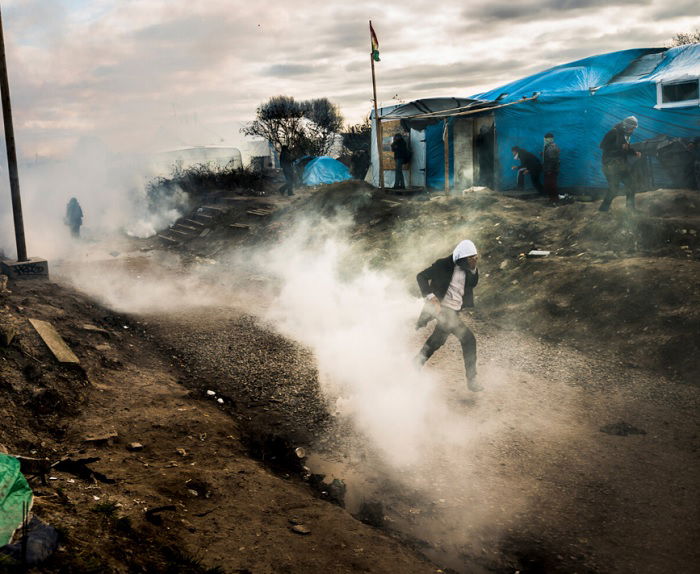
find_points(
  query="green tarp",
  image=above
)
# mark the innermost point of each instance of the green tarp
(14, 494)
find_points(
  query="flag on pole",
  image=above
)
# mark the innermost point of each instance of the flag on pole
(375, 43)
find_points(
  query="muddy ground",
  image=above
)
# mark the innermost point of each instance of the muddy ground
(582, 452)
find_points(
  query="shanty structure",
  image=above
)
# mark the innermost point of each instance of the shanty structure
(459, 142)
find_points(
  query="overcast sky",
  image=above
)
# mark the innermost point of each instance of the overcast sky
(165, 73)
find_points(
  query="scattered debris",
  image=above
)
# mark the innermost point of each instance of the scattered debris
(101, 439)
(538, 253)
(134, 446)
(95, 329)
(54, 341)
(181, 451)
(80, 469)
(300, 529)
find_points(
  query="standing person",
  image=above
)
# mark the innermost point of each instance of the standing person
(447, 286)
(74, 217)
(550, 167)
(287, 164)
(401, 157)
(618, 158)
(528, 164)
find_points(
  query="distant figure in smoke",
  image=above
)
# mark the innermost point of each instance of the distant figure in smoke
(287, 164)
(74, 217)
(401, 157)
(528, 164)
(550, 167)
(619, 161)
(447, 286)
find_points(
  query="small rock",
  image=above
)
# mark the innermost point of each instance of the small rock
(181, 451)
(300, 529)
(134, 446)
(211, 393)
(220, 401)
(504, 264)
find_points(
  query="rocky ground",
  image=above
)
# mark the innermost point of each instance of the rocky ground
(580, 455)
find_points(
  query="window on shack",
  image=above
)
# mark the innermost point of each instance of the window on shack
(678, 94)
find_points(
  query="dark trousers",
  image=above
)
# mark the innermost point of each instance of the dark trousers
(398, 175)
(288, 187)
(448, 324)
(550, 185)
(617, 172)
(534, 178)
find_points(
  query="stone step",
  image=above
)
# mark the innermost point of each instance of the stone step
(166, 238)
(182, 226)
(183, 233)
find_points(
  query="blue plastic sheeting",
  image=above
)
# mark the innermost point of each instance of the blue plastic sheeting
(435, 155)
(325, 169)
(581, 101)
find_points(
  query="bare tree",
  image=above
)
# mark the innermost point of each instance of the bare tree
(307, 127)
(683, 38)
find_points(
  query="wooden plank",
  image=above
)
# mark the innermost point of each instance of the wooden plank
(168, 238)
(54, 341)
(192, 221)
(214, 208)
(185, 233)
(240, 225)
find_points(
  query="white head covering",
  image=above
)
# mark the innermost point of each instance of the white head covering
(465, 248)
(630, 122)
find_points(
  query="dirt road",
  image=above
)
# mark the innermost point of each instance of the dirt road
(574, 463)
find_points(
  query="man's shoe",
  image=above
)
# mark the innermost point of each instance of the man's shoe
(474, 386)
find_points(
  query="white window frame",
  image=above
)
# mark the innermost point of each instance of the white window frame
(685, 103)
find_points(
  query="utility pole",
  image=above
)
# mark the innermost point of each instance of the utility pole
(24, 267)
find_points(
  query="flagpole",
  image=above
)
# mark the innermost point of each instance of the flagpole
(377, 123)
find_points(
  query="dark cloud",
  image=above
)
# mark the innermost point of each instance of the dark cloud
(287, 70)
(508, 12)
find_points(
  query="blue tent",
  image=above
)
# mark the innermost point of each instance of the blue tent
(325, 169)
(579, 102)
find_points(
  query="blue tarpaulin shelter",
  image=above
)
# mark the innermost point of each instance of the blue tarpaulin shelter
(579, 102)
(325, 169)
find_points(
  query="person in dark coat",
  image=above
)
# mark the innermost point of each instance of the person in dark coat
(528, 164)
(287, 165)
(619, 162)
(448, 287)
(401, 157)
(550, 167)
(74, 217)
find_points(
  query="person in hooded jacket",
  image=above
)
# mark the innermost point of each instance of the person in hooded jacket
(448, 287)
(618, 162)
(74, 217)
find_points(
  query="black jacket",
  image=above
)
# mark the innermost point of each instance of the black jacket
(529, 161)
(400, 149)
(436, 279)
(613, 145)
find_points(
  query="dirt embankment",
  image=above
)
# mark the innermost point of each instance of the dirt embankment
(188, 498)
(619, 283)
